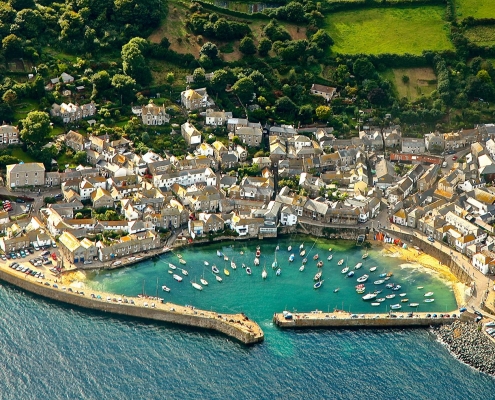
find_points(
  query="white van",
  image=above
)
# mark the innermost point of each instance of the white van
(444, 164)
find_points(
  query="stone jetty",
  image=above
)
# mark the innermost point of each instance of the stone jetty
(468, 342)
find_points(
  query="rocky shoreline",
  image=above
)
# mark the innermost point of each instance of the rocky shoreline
(467, 342)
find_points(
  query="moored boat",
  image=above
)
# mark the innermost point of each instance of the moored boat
(264, 274)
(381, 299)
(315, 257)
(243, 265)
(363, 278)
(225, 258)
(389, 285)
(177, 277)
(277, 248)
(319, 264)
(382, 275)
(226, 271)
(330, 257)
(289, 248)
(274, 264)
(291, 258)
(204, 282)
(197, 286)
(302, 253)
(369, 296)
(207, 263)
(219, 253)
(378, 282)
(182, 261)
(375, 304)
(341, 261)
(350, 274)
(317, 276)
(233, 265)
(301, 246)
(372, 269)
(365, 255)
(429, 294)
(218, 278)
(248, 271)
(345, 270)
(390, 296)
(336, 290)
(214, 269)
(258, 253)
(429, 300)
(318, 284)
(358, 265)
(397, 287)
(413, 304)
(395, 307)
(403, 294)
(256, 261)
(305, 260)
(404, 300)
(420, 287)
(360, 291)
(172, 266)
(329, 249)
(184, 272)
(301, 268)
(279, 271)
(389, 274)
(165, 289)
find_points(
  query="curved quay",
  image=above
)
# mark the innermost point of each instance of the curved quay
(236, 326)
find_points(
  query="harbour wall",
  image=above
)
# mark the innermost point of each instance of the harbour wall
(327, 231)
(200, 319)
(309, 320)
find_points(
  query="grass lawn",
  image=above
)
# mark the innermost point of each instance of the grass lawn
(481, 35)
(17, 152)
(422, 81)
(397, 30)
(475, 8)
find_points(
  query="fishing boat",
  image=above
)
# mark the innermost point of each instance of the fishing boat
(225, 258)
(291, 258)
(382, 275)
(196, 286)
(389, 274)
(170, 271)
(204, 282)
(429, 294)
(317, 276)
(336, 290)
(372, 269)
(365, 256)
(329, 257)
(358, 265)
(302, 253)
(241, 253)
(396, 287)
(319, 264)
(264, 274)
(375, 304)
(182, 261)
(387, 278)
(301, 246)
(413, 304)
(329, 249)
(429, 300)
(345, 270)
(403, 294)
(256, 261)
(341, 261)
(395, 307)
(305, 260)
(289, 248)
(172, 266)
(232, 265)
(360, 291)
(301, 268)
(315, 257)
(258, 253)
(360, 286)
(179, 256)
(248, 271)
(389, 285)
(390, 296)
(177, 278)
(381, 299)
(277, 248)
(378, 282)
(207, 263)
(420, 287)
(165, 289)
(214, 269)
(369, 296)
(275, 263)
(363, 278)
(219, 253)
(218, 278)
(404, 300)
(350, 274)
(226, 271)
(184, 272)
(279, 271)
(318, 284)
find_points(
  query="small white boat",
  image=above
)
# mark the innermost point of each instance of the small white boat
(248, 271)
(172, 266)
(204, 282)
(197, 286)
(219, 253)
(372, 269)
(289, 248)
(420, 287)
(301, 246)
(225, 258)
(350, 274)
(378, 282)
(404, 300)
(179, 256)
(330, 257)
(345, 270)
(279, 271)
(402, 294)
(380, 300)
(305, 260)
(301, 268)
(277, 248)
(329, 249)
(341, 261)
(264, 274)
(390, 296)
(218, 278)
(243, 265)
(184, 272)
(429, 294)
(395, 307)
(177, 277)
(256, 261)
(429, 300)
(318, 284)
(375, 304)
(358, 265)
(336, 290)
(170, 271)
(207, 263)
(317, 276)
(369, 296)
(413, 304)
(241, 253)
(182, 261)
(302, 253)
(291, 258)
(274, 264)
(363, 278)
(165, 289)
(214, 269)
(232, 265)
(365, 256)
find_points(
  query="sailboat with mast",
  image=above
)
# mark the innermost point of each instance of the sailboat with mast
(275, 263)
(264, 274)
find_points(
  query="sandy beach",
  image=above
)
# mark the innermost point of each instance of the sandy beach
(423, 260)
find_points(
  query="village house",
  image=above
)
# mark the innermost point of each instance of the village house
(385, 174)
(27, 174)
(9, 134)
(102, 198)
(72, 112)
(428, 178)
(326, 92)
(434, 141)
(217, 118)
(152, 114)
(77, 251)
(250, 136)
(191, 135)
(411, 145)
(76, 141)
(128, 245)
(193, 99)
(186, 178)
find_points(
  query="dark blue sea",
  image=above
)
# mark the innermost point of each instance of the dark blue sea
(52, 351)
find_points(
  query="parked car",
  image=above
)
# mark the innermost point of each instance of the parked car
(454, 158)
(54, 256)
(19, 200)
(45, 253)
(430, 238)
(58, 196)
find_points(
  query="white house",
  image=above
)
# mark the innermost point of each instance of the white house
(186, 178)
(288, 216)
(482, 262)
(217, 118)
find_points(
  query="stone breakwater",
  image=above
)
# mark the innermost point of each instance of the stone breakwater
(468, 343)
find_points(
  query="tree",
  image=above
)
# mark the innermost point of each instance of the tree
(12, 46)
(124, 86)
(323, 113)
(247, 46)
(306, 114)
(199, 76)
(21, 4)
(484, 76)
(71, 25)
(264, 46)
(236, 140)
(377, 96)
(322, 38)
(101, 81)
(405, 79)
(219, 79)
(9, 97)
(244, 88)
(35, 128)
(80, 157)
(210, 50)
(363, 68)
(134, 63)
(286, 107)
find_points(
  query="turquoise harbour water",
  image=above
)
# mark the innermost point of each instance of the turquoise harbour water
(52, 351)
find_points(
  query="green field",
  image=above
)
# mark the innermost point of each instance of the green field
(422, 81)
(389, 30)
(17, 152)
(481, 35)
(475, 8)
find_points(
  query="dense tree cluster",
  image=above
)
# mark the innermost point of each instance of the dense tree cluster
(211, 26)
